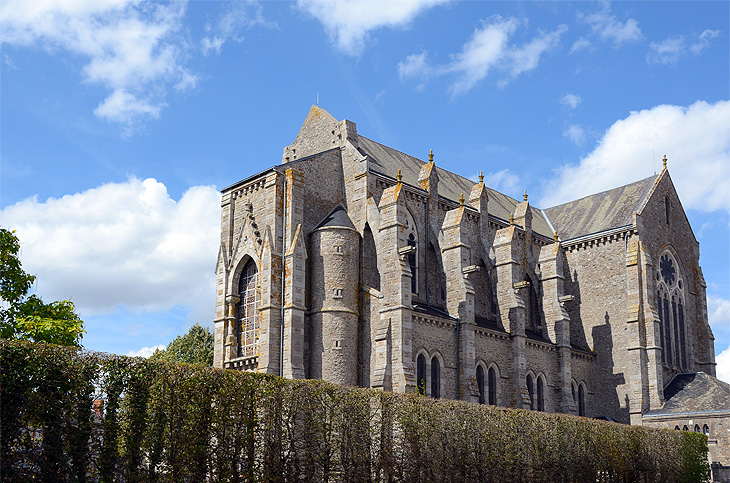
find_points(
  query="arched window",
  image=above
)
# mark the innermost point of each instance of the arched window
(412, 238)
(706, 430)
(530, 391)
(435, 378)
(248, 310)
(540, 394)
(670, 306)
(581, 401)
(677, 428)
(492, 386)
(697, 428)
(480, 384)
(421, 374)
(685, 428)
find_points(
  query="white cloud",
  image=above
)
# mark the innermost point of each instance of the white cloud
(696, 140)
(504, 181)
(122, 245)
(718, 312)
(349, 22)
(239, 15)
(526, 57)
(722, 370)
(580, 44)
(703, 41)
(666, 52)
(487, 49)
(415, 65)
(145, 352)
(672, 48)
(571, 100)
(131, 47)
(609, 28)
(575, 133)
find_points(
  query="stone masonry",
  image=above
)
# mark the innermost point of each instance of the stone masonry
(373, 268)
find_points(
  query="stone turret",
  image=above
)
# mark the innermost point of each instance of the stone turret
(335, 277)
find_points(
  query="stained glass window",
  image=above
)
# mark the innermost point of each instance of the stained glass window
(248, 310)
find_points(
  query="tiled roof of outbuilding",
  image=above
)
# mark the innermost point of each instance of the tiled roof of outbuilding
(600, 212)
(695, 392)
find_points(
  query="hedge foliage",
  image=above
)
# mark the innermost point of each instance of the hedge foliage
(177, 423)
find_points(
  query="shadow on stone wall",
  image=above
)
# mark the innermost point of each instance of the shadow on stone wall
(606, 401)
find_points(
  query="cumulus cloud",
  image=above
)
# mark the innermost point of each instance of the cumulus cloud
(696, 140)
(349, 22)
(239, 15)
(609, 28)
(571, 100)
(575, 133)
(132, 47)
(722, 370)
(125, 245)
(487, 49)
(145, 352)
(718, 312)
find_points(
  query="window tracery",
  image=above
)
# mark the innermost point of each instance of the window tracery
(248, 310)
(670, 308)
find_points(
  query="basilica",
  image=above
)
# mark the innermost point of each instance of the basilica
(358, 264)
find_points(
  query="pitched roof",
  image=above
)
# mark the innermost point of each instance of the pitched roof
(695, 392)
(388, 161)
(602, 211)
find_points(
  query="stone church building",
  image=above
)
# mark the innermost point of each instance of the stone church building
(361, 265)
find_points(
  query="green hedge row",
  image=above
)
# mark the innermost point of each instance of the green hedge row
(162, 422)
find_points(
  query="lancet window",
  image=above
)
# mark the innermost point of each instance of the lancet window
(248, 310)
(670, 296)
(412, 238)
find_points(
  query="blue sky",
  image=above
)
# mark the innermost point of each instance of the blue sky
(121, 120)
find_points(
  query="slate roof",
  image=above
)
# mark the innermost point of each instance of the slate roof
(337, 218)
(601, 211)
(695, 392)
(387, 161)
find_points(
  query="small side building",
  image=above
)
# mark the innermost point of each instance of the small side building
(698, 402)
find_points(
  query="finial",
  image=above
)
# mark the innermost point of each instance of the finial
(430, 156)
(399, 177)
(511, 219)
(461, 200)
(556, 237)
(665, 161)
(524, 197)
(481, 177)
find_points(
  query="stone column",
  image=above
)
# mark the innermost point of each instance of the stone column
(230, 330)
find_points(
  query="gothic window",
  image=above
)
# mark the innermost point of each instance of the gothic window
(492, 386)
(540, 394)
(248, 310)
(685, 428)
(412, 239)
(421, 374)
(670, 307)
(697, 428)
(530, 391)
(435, 378)
(581, 401)
(677, 428)
(480, 383)
(706, 430)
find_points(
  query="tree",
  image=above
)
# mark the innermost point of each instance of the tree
(24, 316)
(195, 347)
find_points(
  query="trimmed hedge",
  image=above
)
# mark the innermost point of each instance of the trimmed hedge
(166, 422)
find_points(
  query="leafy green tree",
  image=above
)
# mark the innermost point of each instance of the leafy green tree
(195, 347)
(24, 316)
